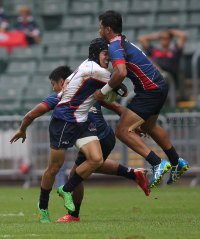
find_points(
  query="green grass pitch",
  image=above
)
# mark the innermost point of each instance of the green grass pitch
(106, 213)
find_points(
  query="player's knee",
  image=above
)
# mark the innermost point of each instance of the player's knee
(148, 130)
(120, 132)
(54, 170)
(96, 162)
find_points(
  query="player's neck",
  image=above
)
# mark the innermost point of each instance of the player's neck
(112, 36)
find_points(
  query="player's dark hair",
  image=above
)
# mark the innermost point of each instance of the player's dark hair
(60, 72)
(113, 20)
(96, 46)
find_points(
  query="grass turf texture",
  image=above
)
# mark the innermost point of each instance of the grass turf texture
(107, 213)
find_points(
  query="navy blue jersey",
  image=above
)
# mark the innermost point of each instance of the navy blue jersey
(95, 115)
(51, 101)
(140, 69)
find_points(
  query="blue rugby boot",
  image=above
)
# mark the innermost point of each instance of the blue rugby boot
(177, 170)
(158, 171)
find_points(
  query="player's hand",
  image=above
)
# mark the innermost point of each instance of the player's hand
(98, 95)
(19, 134)
(141, 132)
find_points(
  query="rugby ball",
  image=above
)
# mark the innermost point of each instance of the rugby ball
(110, 97)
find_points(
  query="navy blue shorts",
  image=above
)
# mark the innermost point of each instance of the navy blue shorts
(149, 102)
(64, 134)
(107, 145)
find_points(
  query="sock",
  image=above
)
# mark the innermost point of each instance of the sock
(44, 198)
(77, 210)
(72, 182)
(172, 155)
(126, 172)
(153, 159)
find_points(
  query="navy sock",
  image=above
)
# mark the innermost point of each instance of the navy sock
(72, 182)
(77, 210)
(153, 159)
(44, 198)
(126, 172)
(172, 155)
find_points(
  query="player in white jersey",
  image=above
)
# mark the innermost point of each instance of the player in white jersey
(78, 99)
(54, 163)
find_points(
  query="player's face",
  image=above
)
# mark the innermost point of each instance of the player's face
(104, 58)
(102, 31)
(57, 86)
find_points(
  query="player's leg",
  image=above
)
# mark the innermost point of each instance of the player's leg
(91, 148)
(57, 158)
(77, 196)
(128, 122)
(158, 134)
(94, 156)
(131, 120)
(111, 167)
(142, 106)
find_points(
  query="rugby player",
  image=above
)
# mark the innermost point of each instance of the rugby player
(151, 92)
(57, 79)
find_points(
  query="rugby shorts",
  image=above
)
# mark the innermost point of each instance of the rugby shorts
(148, 102)
(64, 134)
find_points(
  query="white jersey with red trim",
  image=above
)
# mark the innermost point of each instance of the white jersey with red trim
(79, 98)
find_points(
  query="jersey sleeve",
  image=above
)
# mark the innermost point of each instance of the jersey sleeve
(116, 53)
(51, 101)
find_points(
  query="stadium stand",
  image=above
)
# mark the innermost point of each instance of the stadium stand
(19, 67)
(143, 6)
(28, 53)
(60, 52)
(47, 66)
(3, 58)
(67, 27)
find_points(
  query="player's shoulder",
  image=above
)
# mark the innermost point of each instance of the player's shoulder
(115, 42)
(53, 95)
(99, 72)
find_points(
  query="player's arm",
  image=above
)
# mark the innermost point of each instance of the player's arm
(114, 106)
(118, 75)
(36, 112)
(181, 37)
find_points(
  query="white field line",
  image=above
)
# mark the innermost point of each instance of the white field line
(11, 215)
(27, 235)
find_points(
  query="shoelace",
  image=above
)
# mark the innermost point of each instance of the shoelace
(69, 199)
(155, 169)
(45, 214)
(175, 172)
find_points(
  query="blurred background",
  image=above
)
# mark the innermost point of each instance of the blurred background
(38, 36)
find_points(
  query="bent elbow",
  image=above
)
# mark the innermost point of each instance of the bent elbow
(29, 116)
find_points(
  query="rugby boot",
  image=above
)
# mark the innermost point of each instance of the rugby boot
(158, 172)
(68, 218)
(67, 196)
(177, 170)
(142, 180)
(43, 215)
